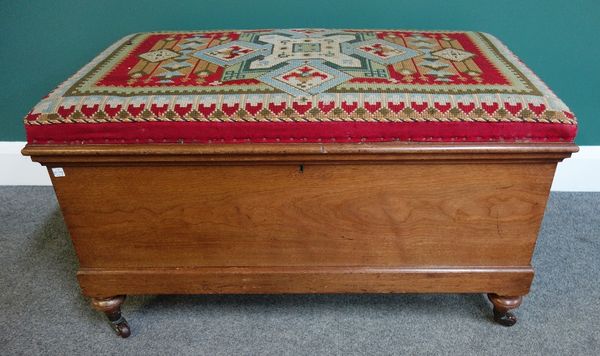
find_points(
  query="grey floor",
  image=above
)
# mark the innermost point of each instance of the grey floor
(42, 311)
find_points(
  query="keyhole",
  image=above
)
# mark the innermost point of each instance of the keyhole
(301, 168)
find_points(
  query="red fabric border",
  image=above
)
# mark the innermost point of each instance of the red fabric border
(289, 132)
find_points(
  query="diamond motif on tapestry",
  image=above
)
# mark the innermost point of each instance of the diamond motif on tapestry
(453, 54)
(159, 55)
(304, 77)
(306, 47)
(380, 51)
(232, 52)
(286, 49)
(300, 78)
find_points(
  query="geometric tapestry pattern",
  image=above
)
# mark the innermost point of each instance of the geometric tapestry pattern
(304, 75)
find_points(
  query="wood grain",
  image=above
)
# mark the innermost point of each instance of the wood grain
(324, 215)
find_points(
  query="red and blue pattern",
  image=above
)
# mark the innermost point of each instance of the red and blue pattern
(304, 85)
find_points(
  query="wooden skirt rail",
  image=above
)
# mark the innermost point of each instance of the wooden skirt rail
(265, 280)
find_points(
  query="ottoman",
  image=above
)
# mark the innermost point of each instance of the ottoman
(302, 161)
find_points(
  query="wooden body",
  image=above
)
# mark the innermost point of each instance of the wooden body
(303, 218)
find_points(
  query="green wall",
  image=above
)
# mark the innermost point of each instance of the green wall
(44, 42)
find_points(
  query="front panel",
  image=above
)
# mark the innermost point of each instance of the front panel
(305, 215)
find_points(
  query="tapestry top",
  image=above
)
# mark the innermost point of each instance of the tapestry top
(302, 85)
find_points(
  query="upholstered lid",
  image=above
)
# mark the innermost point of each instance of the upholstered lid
(304, 85)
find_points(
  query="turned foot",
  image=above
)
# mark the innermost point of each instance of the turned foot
(502, 307)
(112, 308)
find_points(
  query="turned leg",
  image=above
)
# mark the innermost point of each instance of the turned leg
(502, 307)
(112, 308)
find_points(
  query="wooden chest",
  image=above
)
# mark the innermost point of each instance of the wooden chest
(301, 173)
